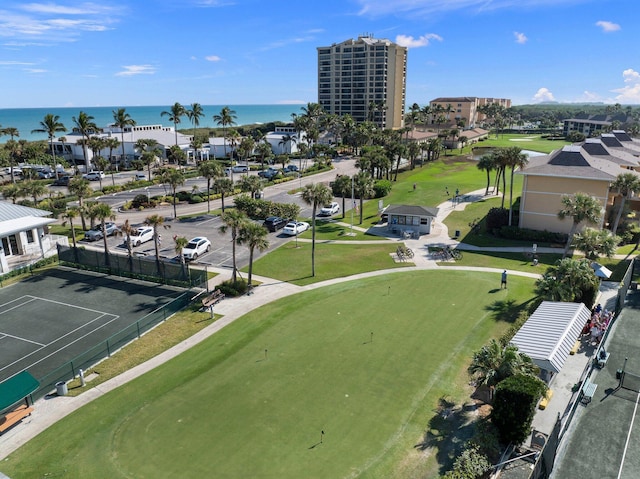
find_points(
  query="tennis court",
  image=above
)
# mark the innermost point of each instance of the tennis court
(49, 319)
(604, 437)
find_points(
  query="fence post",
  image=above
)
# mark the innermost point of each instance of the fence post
(138, 328)
(73, 371)
(108, 349)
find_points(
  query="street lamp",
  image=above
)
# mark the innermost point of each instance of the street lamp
(148, 195)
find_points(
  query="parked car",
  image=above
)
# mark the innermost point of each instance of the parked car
(240, 169)
(95, 234)
(93, 175)
(330, 209)
(140, 176)
(294, 228)
(196, 247)
(291, 168)
(141, 235)
(62, 181)
(45, 175)
(269, 173)
(274, 223)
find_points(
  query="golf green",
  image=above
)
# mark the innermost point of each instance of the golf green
(334, 382)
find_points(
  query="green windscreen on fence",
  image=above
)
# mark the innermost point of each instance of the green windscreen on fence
(16, 388)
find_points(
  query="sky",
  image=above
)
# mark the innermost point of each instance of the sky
(158, 52)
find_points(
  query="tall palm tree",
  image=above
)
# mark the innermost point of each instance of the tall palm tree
(149, 149)
(176, 112)
(263, 149)
(223, 186)
(112, 143)
(226, 117)
(513, 158)
(627, 185)
(487, 163)
(80, 187)
(210, 169)
(255, 237)
(86, 127)
(194, 113)
(315, 194)
(155, 221)
(51, 125)
(127, 229)
(342, 187)
(122, 119)
(233, 220)
(363, 185)
(287, 141)
(35, 189)
(173, 178)
(70, 214)
(103, 212)
(579, 207)
(180, 243)
(12, 191)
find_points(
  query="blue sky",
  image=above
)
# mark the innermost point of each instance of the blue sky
(157, 52)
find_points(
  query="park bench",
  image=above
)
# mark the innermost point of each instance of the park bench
(14, 417)
(588, 390)
(213, 299)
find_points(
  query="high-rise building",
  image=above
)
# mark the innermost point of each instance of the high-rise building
(365, 78)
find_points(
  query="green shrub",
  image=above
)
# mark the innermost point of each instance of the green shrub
(523, 234)
(142, 201)
(514, 406)
(233, 288)
(497, 218)
(196, 199)
(183, 195)
(470, 464)
(382, 188)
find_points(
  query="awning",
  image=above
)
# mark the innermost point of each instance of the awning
(11, 227)
(16, 388)
(601, 271)
(549, 334)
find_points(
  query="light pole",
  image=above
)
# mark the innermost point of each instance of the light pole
(148, 194)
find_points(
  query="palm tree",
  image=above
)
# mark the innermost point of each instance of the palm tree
(155, 221)
(210, 169)
(287, 141)
(13, 191)
(86, 127)
(69, 214)
(35, 189)
(342, 187)
(234, 140)
(175, 113)
(494, 363)
(263, 149)
(180, 243)
(254, 236)
(315, 194)
(233, 220)
(149, 149)
(80, 187)
(51, 125)
(223, 186)
(122, 119)
(579, 207)
(514, 158)
(250, 184)
(226, 117)
(487, 163)
(173, 178)
(595, 243)
(627, 184)
(569, 280)
(363, 186)
(127, 230)
(194, 113)
(103, 212)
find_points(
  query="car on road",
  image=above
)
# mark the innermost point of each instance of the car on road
(274, 223)
(330, 209)
(140, 176)
(93, 175)
(140, 235)
(62, 181)
(197, 246)
(294, 228)
(45, 175)
(291, 168)
(95, 233)
(269, 173)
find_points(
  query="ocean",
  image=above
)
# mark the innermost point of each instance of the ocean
(27, 119)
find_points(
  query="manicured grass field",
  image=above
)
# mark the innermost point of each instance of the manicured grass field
(293, 264)
(526, 142)
(365, 361)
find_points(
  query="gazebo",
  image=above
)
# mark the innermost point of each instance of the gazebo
(549, 334)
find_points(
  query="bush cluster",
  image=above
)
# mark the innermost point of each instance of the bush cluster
(233, 288)
(260, 209)
(523, 234)
(382, 188)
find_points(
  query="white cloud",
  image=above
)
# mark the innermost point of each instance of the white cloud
(429, 7)
(422, 41)
(130, 70)
(589, 97)
(608, 26)
(13, 62)
(212, 58)
(543, 94)
(520, 37)
(36, 70)
(630, 93)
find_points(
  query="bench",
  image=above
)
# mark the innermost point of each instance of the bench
(14, 417)
(602, 361)
(213, 299)
(545, 400)
(576, 347)
(588, 390)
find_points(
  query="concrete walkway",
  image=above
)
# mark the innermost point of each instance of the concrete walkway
(53, 408)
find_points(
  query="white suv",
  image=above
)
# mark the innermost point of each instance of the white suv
(141, 235)
(196, 247)
(93, 175)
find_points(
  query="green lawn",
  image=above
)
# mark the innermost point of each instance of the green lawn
(526, 142)
(502, 260)
(293, 264)
(331, 230)
(252, 400)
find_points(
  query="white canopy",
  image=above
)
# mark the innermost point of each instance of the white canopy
(549, 334)
(601, 271)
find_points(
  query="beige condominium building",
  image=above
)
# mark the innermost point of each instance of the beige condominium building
(365, 78)
(466, 107)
